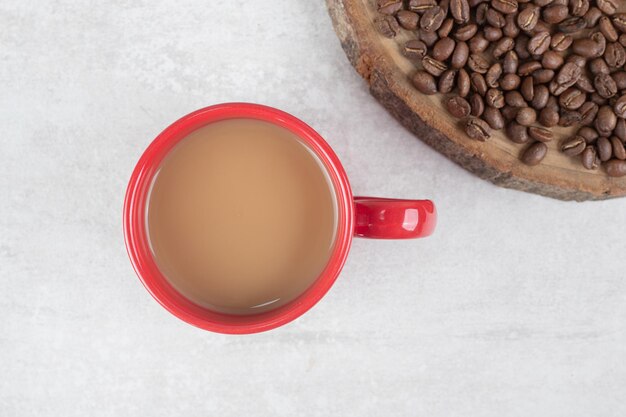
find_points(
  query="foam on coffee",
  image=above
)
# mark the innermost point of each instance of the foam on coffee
(241, 216)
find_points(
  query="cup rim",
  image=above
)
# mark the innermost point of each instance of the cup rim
(135, 235)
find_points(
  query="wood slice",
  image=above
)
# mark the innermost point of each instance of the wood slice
(380, 62)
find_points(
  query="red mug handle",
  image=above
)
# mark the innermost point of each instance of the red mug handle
(388, 218)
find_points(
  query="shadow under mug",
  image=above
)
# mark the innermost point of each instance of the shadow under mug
(368, 217)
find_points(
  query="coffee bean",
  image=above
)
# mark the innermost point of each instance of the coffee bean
(432, 19)
(527, 19)
(615, 55)
(408, 20)
(521, 47)
(619, 21)
(620, 107)
(493, 34)
(446, 82)
(446, 28)
(588, 133)
(589, 158)
(560, 42)
(478, 44)
(549, 117)
(572, 99)
(588, 112)
(598, 99)
(443, 49)
(528, 88)
(607, 29)
(465, 32)
(505, 6)
(605, 149)
(587, 48)
(509, 113)
(510, 64)
(421, 6)
(494, 118)
(592, 16)
(389, 6)
(495, 18)
(478, 64)
(514, 99)
(503, 46)
(415, 49)
(539, 43)
(463, 83)
(555, 14)
(510, 82)
(528, 68)
(517, 133)
(526, 116)
(572, 25)
(460, 10)
(574, 146)
(620, 79)
(619, 151)
(567, 77)
(492, 76)
(543, 76)
(569, 118)
(481, 13)
(478, 83)
(477, 129)
(585, 84)
(511, 29)
(577, 59)
(579, 7)
(540, 134)
(607, 6)
(387, 25)
(606, 120)
(553, 103)
(620, 129)
(535, 153)
(605, 85)
(552, 60)
(616, 168)
(429, 38)
(433, 66)
(478, 105)
(460, 55)
(457, 107)
(425, 83)
(494, 98)
(540, 98)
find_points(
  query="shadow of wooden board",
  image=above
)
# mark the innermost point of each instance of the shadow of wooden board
(380, 62)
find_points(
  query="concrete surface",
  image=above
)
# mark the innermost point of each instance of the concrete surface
(516, 307)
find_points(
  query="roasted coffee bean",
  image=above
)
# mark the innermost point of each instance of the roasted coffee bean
(493, 34)
(478, 83)
(619, 107)
(521, 47)
(598, 99)
(619, 151)
(607, 29)
(567, 77)
(604, 148)
(421, 6)
(619, 21)
(553, 103)
(478, 64)
(494, 98)
(503, 46)
(620, 79)
(511, 29)
(494, 118)
(528, 88)
(443, 49)
(549, 117)
(445, 5)
(415, 49)
(592, 16)
(572, 25)
(616, 168)
(432, 19)
(495, 18)
(460, 10)
(605, 85)
(585, 84)
(514, 99)
(588, 112)
(466, 32)
(446, 28)
(509, 112)
(481, 13)
(608, 6)
(540, 97)
(560, 42)
(579, 7)
(458, 107)
(569, 118)
(572, 99)
(615, 55)
(460, 55)
(539, 43)
(587, 47)
(389, 6)
(433, 66)
(577, 59)
(543, 76)
(555, 14)
(446, 82)
(588, 133)
(510, 64)
(478, 44)
(528, 68)
(478, 105)
(599, 66)
(517, 133)
(425, 83)
(589, 158)
(606, 120)
(492, 77)
(477, 129)
(429, 38)
(540, 134)
(527, 19)
(535, 153)
(620, 129)
(505, 6)
(510, 82)
(526, 116)
(574, 146)
(552, 60)
(463, 83)
(408, 20)
(387, 25)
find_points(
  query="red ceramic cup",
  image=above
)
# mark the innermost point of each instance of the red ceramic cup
(369, 217)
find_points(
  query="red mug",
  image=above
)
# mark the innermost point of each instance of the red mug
(369, 217)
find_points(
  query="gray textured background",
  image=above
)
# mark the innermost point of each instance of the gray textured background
(516, 307)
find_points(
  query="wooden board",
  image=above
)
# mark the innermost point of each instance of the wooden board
(380, 62)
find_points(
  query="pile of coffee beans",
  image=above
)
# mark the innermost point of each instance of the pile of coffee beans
(523, 66)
